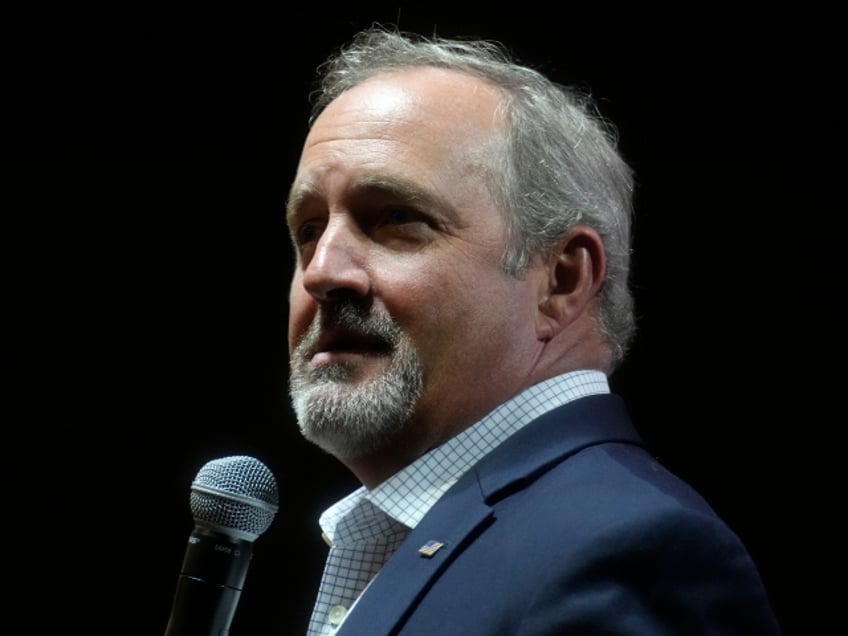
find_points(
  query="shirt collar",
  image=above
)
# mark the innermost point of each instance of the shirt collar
(409, 494)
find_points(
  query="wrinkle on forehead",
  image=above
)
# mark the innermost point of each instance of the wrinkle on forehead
(430, 119)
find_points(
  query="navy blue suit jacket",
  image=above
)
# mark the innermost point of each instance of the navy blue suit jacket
(568, 527)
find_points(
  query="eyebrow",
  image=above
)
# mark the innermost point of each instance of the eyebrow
(397, 188)
(297, 195)
(400, 189)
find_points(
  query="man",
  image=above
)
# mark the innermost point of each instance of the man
(459, 300)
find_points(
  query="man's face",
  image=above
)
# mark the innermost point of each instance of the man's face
(403, 327)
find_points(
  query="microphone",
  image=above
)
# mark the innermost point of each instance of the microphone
(233, 500)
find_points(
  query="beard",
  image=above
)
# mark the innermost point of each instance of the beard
(344, 417)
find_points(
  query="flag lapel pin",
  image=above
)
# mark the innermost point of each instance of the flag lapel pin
(430, 548)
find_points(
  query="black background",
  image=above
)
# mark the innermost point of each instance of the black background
(151, 152)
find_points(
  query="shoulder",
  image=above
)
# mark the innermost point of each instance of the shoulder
(608, 530)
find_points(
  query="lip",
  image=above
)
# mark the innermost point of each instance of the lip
(339, 356)
(344, 345)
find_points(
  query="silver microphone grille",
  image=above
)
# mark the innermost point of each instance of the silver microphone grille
(235, 495)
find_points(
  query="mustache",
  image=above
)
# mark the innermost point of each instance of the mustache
(356, 320)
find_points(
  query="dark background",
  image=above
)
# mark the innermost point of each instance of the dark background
(151, 155)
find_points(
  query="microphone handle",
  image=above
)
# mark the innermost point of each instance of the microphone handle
(210, 584)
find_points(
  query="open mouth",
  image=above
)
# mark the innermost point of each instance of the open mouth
(339, 340)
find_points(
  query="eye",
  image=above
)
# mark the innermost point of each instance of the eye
(403, 228)
(403, 216)
(308, 232)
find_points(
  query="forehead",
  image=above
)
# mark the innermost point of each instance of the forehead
(425, 91)
(426, 125)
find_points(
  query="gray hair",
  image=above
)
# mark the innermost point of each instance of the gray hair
(559, 167)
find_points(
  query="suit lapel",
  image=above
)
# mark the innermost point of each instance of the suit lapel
(552, 438)
(460, 514)
(465, 509)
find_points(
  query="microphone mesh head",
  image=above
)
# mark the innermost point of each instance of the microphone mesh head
(235, 495)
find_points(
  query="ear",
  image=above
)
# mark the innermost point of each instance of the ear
(575, 273)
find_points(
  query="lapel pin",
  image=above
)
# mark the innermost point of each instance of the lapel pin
(430, 548)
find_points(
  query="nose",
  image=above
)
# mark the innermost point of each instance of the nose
(338, 264)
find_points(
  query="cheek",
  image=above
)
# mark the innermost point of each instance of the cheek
(302, 308)
(486, 315)
(444, 313)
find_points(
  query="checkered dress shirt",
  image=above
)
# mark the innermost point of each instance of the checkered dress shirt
(366, 527)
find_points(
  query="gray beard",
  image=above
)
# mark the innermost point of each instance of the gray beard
(351, 420)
